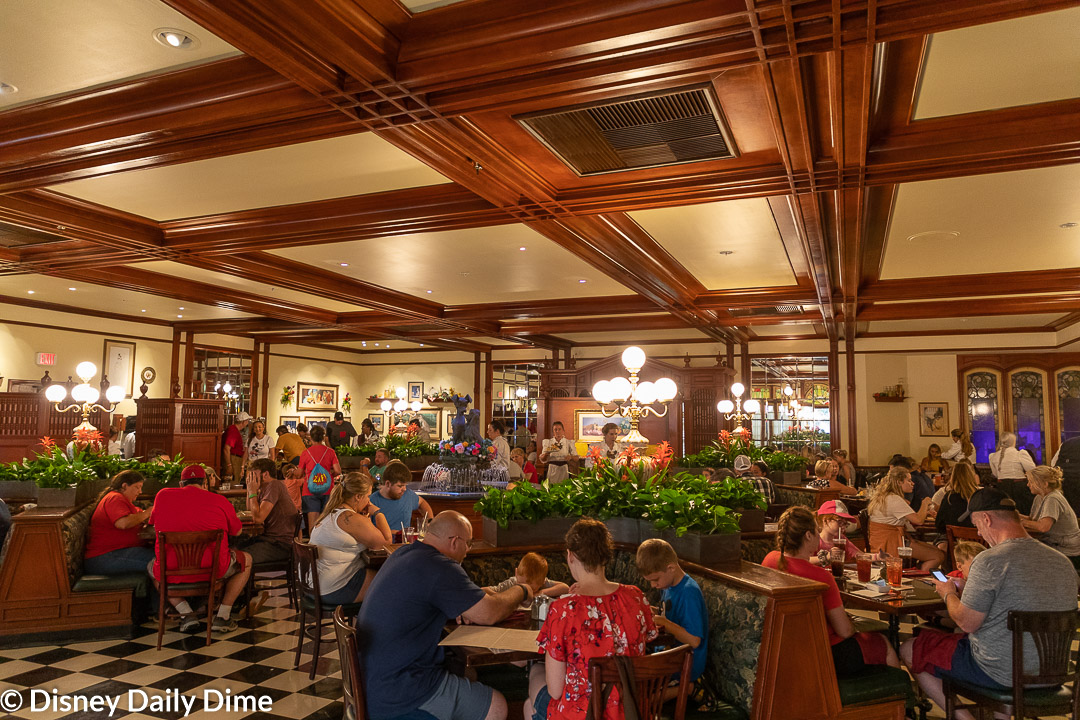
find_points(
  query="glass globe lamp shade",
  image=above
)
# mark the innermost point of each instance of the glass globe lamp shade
(737, 389)
(93, 395)
(521, 392)
(725, 406)
(645, 393)
(752, 405)
(601, 392)
(788, 390)
(385, 405)
(415, 406)
(401, 405)
(666, 389)
(114, 394)
(81, 393)
(227, 387)
(619, 389)
(400, 392)
(55, 393)
(86, 370)
(633, 358)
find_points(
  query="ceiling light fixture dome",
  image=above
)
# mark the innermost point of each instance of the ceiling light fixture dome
(6, 89)
(176, 39)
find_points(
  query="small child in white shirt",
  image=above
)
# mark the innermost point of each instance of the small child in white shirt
(532, 571)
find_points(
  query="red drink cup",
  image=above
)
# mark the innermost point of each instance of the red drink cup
(862, 566)
(894, 569)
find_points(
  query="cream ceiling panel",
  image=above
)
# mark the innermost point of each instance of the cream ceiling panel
(480, 265)
(418, 6)
(1013, 62)
(227, 282)
(100, 297)
(806, 328)
(52, 47)
(627, 329)
(338, 167)
(961, 324)
(696, 236)
(1004, 222)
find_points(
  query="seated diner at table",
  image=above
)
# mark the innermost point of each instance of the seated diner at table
(831, 516)
(797, 542)
(1051, 514)
(825, 474)
(416, 592)
(599, 618)
(269, 503)
(113, 545)
(891, 519)
(348, 526)
(933, 462)
(396, 499)
(951, 501)
(528, 470)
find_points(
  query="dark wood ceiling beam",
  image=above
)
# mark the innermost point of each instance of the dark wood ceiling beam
(1066, 280)
(243, 326)
(569, 307)
(756, 297)
(224, 107)
(968, 308)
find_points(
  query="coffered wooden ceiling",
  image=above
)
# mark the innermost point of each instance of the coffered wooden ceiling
(351, 171)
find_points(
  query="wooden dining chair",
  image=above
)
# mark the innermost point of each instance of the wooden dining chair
(306, 558)
(1052, 634)
(277, 566)
(957, 533)
(648, 677)
(351, 682)
(188, 548)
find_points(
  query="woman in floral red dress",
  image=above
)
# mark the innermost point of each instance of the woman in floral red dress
(599, 618)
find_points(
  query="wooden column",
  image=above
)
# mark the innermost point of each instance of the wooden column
(266, 378)
(477, 389)
(744, 367)
(853, 430)
(174, 367)
(489, 372)
(834, 392)
(189, 366)
(731, 354)
(253, 386)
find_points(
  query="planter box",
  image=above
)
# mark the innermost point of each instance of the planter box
(351, 462)
(786, 477)
(646, 530)
(624, 529)
(18, 490)
(752, 520)
(719, 552)
(549, 531)
(56, 497)
(87, 491)
(420, 462)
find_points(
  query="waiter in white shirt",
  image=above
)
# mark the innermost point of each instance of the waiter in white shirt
(557, 452)
(1010, 467)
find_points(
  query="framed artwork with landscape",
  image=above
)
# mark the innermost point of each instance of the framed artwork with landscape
(313, 420)
(316, 396)
(118, 364)
(376, 419)
(289, 421)
(934, 419)
(432, 417)
(590, 425)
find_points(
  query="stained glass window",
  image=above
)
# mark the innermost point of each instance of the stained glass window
(1027, 408)
(1068, 389)
(982, 408)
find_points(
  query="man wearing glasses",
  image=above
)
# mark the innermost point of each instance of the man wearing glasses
(414, 594)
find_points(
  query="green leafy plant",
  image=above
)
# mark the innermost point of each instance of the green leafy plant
(52, 468)
(397, 445)
(785, 462)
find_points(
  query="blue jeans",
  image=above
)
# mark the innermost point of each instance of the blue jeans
(118, 562)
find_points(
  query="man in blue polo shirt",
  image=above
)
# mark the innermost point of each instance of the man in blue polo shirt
(415, 593)
(395, 499)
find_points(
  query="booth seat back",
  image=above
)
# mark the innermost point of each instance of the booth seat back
(736, 618)
(74, 531)
(789, 496)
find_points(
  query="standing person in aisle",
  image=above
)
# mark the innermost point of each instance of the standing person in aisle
(494, 433)
(290, 445)
(1010, 466)
(260, 444)
(318, 467)
(558, 452)
(232, 449)
(339, 433)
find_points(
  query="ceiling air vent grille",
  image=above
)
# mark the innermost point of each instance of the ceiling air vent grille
(640, 132)
(759, 311)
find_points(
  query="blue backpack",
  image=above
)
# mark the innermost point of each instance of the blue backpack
(318, 481)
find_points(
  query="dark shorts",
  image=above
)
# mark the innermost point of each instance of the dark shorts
(541, 704)
(949, 655)
(313, 503)
(263, 550)
(852, 655)
(348, 593)
(458, 699)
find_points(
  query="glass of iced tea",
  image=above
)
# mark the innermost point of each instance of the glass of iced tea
(862, 566)
(836, 559)
(894, 571)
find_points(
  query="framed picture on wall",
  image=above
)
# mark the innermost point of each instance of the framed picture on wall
(416, 392)
(448, 432)
(934, 419)
(590, 425)
(289, 421)
(313, 420)
(377, 419)
(432, 417)
(316, 396)
(118, 363)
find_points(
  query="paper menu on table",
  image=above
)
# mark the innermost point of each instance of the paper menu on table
(492, 637)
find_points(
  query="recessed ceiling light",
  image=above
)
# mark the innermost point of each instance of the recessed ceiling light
(727, 252)
(387, 345)
(521, 249)
(428, 292)
(180, 308)
(71, 289)
(938, 235)
(175, 39)
(421, 344)
(6, 89)
(142, 311)
(179, 316)
(1066, 226)
(376, 344)
(582, 281)
(344, 264)
(29, 292)
(363, 343)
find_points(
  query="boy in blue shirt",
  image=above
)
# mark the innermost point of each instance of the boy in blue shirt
(685, 616)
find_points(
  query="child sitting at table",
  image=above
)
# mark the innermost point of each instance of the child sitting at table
(532, 571)
(683, 606)
(964, 553)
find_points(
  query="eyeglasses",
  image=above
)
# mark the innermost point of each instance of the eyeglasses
(468, 541)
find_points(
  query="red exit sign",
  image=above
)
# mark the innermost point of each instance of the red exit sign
(46, 358)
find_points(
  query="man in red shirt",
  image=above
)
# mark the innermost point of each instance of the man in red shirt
(232, 448)
(191, 508)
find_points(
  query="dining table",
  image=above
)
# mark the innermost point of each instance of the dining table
(916, 596)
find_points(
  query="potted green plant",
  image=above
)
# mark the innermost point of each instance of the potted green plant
(527, 515)
(699, 531)
(785, 468)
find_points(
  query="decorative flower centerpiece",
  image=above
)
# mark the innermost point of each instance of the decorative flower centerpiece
(287, 394)
(482, 449)
(346, 403)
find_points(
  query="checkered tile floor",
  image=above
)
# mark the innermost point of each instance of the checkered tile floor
(254, 661)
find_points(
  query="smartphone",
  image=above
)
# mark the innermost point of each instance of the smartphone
(939, 576)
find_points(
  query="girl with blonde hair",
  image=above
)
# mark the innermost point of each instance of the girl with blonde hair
(348, 525)
(953, 498)
(891, 517)
(961, 448)
(825, 472)
(1051, 513)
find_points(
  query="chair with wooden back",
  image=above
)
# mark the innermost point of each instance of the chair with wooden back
(351, 683)
(957, 533)
(648, 675)
(1052, 634)
(306, 557)
(864, 528)
(275, 566)
(188, 549)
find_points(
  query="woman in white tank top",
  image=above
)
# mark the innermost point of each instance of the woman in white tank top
(347, 527)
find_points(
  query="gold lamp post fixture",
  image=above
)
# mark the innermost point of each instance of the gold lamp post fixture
(739, 411)
(84, 396)
(634, 399)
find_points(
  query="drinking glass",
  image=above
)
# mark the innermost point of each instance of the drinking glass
(894, 569)
(862, 566)
(836, 558)
(411, 534)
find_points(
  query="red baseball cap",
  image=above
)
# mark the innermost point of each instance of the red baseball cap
(835, 507)
(193, 471)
